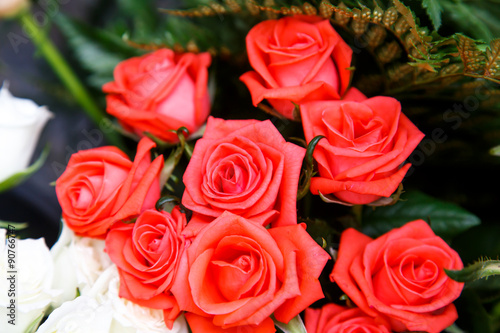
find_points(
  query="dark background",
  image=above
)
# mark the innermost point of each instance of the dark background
(30, 76)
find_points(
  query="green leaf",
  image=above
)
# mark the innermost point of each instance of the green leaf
(472, 19)
(453, 329)
(478, 270)
(473, 316)
(179, 30)
(20, 177)
(13, 225)
(446, 219)
(321, 232)
(434, 9)
(97, 50)
(143, 13)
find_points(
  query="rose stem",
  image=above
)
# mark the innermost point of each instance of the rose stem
(67, 76)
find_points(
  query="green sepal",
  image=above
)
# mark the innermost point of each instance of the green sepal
(165, 203)
(294, 326)
(305, 177)
(478, 270)
(176, 155)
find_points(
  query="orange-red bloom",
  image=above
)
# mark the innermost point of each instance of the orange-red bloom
(367, 142)
(400, 275)
(245, 167)
(333, 318)
(296, 59)
(236, 273)
(159, 92)
(101, 186)
(147, 254)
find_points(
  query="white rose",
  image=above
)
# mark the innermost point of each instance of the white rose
(12, 7)
(31, 284)
(141, 319)
(21, 122)
(100, 309)
(78, 261)
(82, 315)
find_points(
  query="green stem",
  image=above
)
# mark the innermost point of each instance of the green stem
(357, 211)
(66, 74)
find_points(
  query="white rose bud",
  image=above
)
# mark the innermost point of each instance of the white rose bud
(12, 7)
(21, 122)
(29, 276)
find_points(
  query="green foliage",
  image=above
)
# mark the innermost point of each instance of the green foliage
(322, 232)
(434, 10)
(410, 59)
(96, 49)
(143, 14)
(473, 316)
(477, 19)
(446, 219)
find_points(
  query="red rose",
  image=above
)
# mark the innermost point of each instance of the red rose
(101, 186)
(237, 273)
(400, 275)
(366, 144)
(333, 318)
(296, 59)
(160, 91)
(147, 254)
(245, 167)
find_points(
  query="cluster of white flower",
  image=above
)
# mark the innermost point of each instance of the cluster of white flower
(77, 281)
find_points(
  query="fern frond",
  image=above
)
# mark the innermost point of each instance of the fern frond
(472, 57)
(492, 66)
(391, 35)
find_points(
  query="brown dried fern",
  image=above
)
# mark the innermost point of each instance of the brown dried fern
(392, 36)
(492, 66)
(472, 57)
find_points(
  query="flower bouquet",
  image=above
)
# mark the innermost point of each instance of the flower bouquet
(262, 166)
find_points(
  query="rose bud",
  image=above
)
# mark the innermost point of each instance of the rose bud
(160, 92)
(333, 318)
(296, 59)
